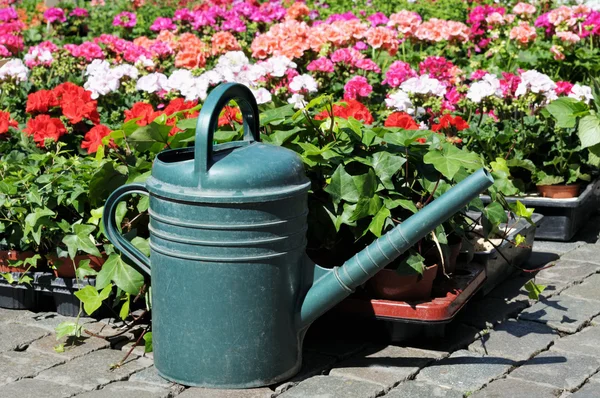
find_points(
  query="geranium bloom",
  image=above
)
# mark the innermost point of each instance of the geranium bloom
(424, 85)
(357, 86)
(450, 125)
(405, 21)
(581, 93)
(229, 115)
(145, 112)
(382, 37)
(402, 120)
(524, 9)
(322, 64)
(297, 11)
(162, 23)
(152, 83)
(55, 14)
(76, 103)
(367, 64)
(223, 42)
(44, 127)
(125, 19)
(178, 105)
(535, 82)
(488, 86)
(398, 73)
(557, 52)
(93, 138)
(400, 101)
(6, 121)
(352, 108)
(14, 69)
(41, 101)
(88, 50)
(304, 82)
(523, 33)
(79, 12)
(569, 37)
(563, 88)
(8, 14)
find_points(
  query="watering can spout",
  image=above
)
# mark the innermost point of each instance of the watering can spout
(330, 286)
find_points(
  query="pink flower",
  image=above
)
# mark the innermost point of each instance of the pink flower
(439, 68)
(557, 52)
(8, 14)
(405, 21)
(398, 73)
(79, 12)
(348, 56)
(368, 65)
(54, 14)
(523, 33)
(4, 51)
(524, 9)
(161, 23)
(125, 19)
(184, 15)
(361, 46)
(378, 18)
(478, 74)
(509, 84)
(322, 64)
(357, 86)
(88, 50)
(569, 37)
(563, 88)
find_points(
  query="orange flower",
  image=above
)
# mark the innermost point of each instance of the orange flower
(382, 37)
(223, 42)
(143, 41)
(523, 33)
(297, 11)
(192, 52)
(168, 37)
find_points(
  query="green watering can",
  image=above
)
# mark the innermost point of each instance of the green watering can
(233, 291)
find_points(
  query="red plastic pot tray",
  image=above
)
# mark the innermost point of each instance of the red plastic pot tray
(449, 296)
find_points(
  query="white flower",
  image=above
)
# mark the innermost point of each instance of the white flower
(487, 87)
(423, 126)
(232, 61)
(304, 82)
(152, 83)
(581, 93)
(98, 67)
(277, 66)
(400, 101)
(144, 62)
(180, 79)
(535, 82)
(253, 73)
(101, 85)
(15, 69)
(297, 100)
(125, 70)
(423, 85)
(262, 95)
(212, 77)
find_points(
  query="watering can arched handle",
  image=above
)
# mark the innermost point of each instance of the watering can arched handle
(140, 261)
(209, 117)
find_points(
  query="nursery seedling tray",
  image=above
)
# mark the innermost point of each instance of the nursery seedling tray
(449, 296)
(16, 296)
(496, 267)
(562, 217)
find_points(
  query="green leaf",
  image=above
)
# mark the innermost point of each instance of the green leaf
(520, 239)
(82, 240)
(148, 342)
(67, 329)
(343, 186)
(589, 131)
(124, 276)
(277, 115)
(91, 299)
(186, 124)
(565, 111)
(366, 207)
(392, 203)
(386, 165)
(404, 137)
(8, 276)
(84, 270)
(378, 222)
(34, 222)
(124, 313)
(413, 264)
(59, 348)
(545, 179)
(142, 245)
(534, 289)
(450, 159)
(521, 210)
(104, 182)
(279, 137)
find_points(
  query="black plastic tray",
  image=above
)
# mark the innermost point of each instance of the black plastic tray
(562, 217)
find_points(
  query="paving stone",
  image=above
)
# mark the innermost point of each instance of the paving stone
(586, 253)
(45, 320)
(553, 287)
(385, 366)
(93, 370)
(12, 315)
(312, 365)
(340, 349)
(489, 311)
(15, 365)
(214, 393)
(128, 389)
(589, 390)
(37, 388)
(512, 290)
(563, 313)
(139, 350)
(516, 340)
(332, 387)
(569, 271)
(18, 337)
(465, 371)
(73, 349)
(560, 369)
(516, 388)
(586, 342)
(114, 336)
(414, 389)
(588, 289)
(150, 376)
(559, 248)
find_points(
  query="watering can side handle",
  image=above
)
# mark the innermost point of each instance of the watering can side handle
(140, 261)
(209, 117)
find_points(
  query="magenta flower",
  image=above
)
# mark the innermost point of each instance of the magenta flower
(357, 86)
(162, 23)
(378, 18)
(88, 50)
(563, 88)
(4, 51)
(398, 73)
(361, 46)
(79, 12)
(55, 14)
(8, 14)
(322, 64)
(125, 19)
(184, 15)
(368, 65)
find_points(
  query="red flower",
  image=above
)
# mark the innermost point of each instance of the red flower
(42, 127)
(448, 121)
(6, 122)
(143, 111)
(230, 114)
(178, 105)
(76, 103)
(93, 138)
(41, 101)
(353, 109)
(402, 120)
(421, 140)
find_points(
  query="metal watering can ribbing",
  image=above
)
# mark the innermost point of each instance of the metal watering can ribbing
(233, 291)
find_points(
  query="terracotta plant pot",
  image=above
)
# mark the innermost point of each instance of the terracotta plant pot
(13, 255)
(64, 266)
(559, 191)
(387, 284)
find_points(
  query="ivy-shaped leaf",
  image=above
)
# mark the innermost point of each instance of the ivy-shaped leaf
(91, 299)
(386, 165)
(534, 289)
(344, 186)
(148, 342)
(81, 240)
(589, 131)
(450, 159)
(124, 276)
(413, 264)
(378, 222)
(68, 329)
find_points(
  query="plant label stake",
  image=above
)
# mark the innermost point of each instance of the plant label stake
(233, 291)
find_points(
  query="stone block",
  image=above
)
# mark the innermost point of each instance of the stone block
(563, 313)
(589, 390)
(465, 371)
(516, 388)
(15, 365)
(93, 370)
(37, 388)
(588, 289)
(151, 376)
(332, 387)
(13, 315)
(560, 369)
(516, 340)
(553, 287)
(586, 342)
(18, 337)
(568, 271)
(414, 389)
(128, 389)
(512, 290)
(312, 364)
(139, 350)
(586, 253)
(215, 393)
(385, 366)
(553, 247)
(44, 320)
(73, 349)
(488, 312)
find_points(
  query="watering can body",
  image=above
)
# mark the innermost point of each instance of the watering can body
(233, 291)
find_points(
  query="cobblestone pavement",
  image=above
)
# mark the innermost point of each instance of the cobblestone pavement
(503, 345)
